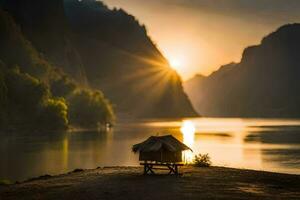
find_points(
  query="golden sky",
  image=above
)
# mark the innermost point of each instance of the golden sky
(198, 36)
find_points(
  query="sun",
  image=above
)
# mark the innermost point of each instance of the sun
(179, 63)
(175, 63)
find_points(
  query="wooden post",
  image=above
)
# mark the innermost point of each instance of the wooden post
(176, 169)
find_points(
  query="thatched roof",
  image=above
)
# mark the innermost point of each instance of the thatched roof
(156, 143)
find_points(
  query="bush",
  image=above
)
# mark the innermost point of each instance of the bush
(53, 115)
(202, 160)
(89, 108)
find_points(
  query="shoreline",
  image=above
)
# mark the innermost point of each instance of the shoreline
(130, 183)
(43, 176)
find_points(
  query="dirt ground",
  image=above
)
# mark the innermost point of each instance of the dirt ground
(128, 183)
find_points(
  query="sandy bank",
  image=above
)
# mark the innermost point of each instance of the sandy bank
(129, 183)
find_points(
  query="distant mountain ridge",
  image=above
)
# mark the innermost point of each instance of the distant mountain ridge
(105, 49)
(266, 83)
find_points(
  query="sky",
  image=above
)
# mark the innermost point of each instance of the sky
(199, 36)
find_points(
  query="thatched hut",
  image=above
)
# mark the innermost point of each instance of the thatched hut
(162, 149)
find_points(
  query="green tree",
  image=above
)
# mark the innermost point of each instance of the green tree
(53, 115)
(25, 91)
(30, 105)
(89, 108)
(62, 86)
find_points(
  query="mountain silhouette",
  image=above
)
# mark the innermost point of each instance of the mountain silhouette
(104, 49)
(264, 84)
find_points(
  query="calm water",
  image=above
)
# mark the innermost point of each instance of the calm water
(272, 145)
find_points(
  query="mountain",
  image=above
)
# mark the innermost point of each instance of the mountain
(104, 49)
(35, 94)
(44, 24)
(121, 59)
(264, 84)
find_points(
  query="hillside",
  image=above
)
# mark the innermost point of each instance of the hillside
(120, 58)
(107, 50)
(45, 26)
(264, 84)
(36, 95)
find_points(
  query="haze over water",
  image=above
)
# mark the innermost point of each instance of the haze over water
(262, 144)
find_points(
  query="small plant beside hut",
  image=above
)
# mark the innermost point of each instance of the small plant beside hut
(202, 160)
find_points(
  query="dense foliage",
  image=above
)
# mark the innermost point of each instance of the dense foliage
(53, 115)
(28, 104)
(62, 86)
(88, 108)
(34, 95)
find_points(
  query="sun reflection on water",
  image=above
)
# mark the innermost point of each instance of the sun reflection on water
(188, 130)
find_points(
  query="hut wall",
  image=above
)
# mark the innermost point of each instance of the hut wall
(161, 156)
